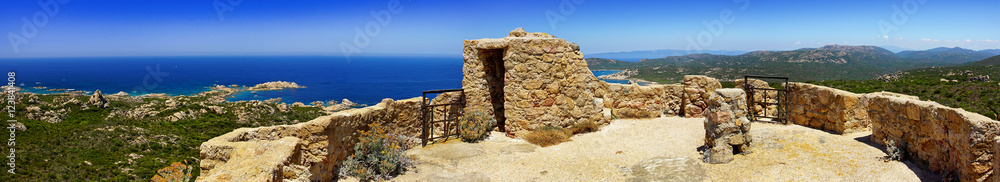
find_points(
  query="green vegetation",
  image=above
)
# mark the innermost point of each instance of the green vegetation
(88, 145)
(951, 86)
(985, 62)
(378, 155)
(475, 126)
(826, 63)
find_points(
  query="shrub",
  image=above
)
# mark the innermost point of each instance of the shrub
(175, 172)
(548, 136)
(893, 152)
(378, 155)
(475, 126)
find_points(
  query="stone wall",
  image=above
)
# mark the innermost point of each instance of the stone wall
(634, 101)
(697, 88)
(945, 140)
(307, 151)
(760, 96)
(538, 80)
(827, 108)
(938, 138)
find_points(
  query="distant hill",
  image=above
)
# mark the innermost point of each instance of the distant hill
(995, 60)
(633, 56)
(895, 49)
(607, 64)
(955, 55)
(824, 63)
(991, 51)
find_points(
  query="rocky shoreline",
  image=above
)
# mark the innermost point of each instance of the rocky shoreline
(153, 106)
(626, 74)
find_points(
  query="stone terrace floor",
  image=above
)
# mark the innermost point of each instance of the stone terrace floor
(664, 149)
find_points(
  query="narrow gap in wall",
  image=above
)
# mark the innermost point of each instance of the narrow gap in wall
(494, 68)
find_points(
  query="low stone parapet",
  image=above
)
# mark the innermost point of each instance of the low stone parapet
(935, 137)
(827, 108)
(634, 101)
(697, 88)
(308, 151)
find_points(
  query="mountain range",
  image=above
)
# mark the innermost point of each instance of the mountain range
(949, 55)
(825, 63)
(633, 56)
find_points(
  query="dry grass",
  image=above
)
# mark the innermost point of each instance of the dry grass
(549, 136)
(585, 127)
(627, 113)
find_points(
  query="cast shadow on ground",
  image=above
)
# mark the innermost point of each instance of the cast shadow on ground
(923, 174)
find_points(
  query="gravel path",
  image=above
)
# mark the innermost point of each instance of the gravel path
(662, 149)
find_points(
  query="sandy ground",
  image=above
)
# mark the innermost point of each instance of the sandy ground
(663, 149)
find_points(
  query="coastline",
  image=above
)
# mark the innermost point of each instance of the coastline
(625, 75)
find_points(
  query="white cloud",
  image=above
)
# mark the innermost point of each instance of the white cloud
(798, 42)
(968, 40)
(926, 39)
(899, 38)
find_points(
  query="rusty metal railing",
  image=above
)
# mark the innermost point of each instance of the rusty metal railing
(780, 100)
(449, 121)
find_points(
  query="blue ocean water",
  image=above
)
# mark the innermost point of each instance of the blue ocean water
(365, 80)
(608, 72)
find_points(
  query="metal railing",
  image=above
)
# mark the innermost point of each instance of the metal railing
(450, 119)
(780, 100)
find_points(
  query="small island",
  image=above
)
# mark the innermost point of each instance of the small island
(276, 85)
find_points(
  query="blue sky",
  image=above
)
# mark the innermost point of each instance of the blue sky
(272, 27)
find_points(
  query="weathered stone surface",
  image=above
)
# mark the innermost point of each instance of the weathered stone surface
(534, 70)
(643, 101)
(98, 100)
(726, 126)
(827, 108)
(938, 138)
(697, 88)
(307, 151)
(668, 169)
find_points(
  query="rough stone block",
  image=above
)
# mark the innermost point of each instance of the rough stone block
(724, 130)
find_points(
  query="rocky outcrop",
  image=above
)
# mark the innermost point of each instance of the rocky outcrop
(308, 151)
(697, 88)
(726, 126)
(634, 101)
(98, 100)
(277, 85)
(938, 138)
(534, 79)
(622, 75)
(343, 105)
(827, 108)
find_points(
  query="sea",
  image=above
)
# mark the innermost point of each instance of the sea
(364, 80)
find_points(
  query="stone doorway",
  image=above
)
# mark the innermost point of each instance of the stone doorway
(494, 69)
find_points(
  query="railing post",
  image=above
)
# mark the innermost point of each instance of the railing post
(423, 118)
